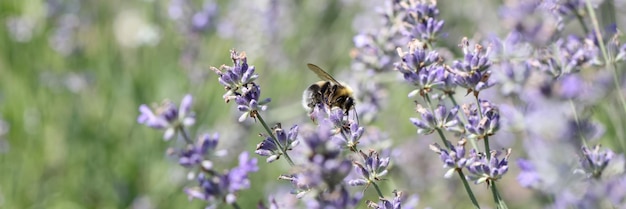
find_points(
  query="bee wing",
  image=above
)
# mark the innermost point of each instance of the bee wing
(322, 74)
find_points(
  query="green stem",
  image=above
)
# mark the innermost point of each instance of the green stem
(582, 22)
(183, 132)
(607, 59)
(280, 147)
(467, 188)
(447, 143)
(380, 194)
(487, 149)
(496, 195)
(235, 205)
(451, 96)
(577, 120)
(459, 171)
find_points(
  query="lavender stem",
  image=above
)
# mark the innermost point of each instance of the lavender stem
(269, 131)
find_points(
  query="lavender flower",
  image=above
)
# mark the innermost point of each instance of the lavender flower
(168, 117)
(395, 203)
(566, 56)
(335, 199)
(235, 77)
(270, 149)
(420, 20)
(472, 72)
(440, 119)
(372, 168)
(223, 187)
(594, 161)
(454, 158)
(483, 169)
(563, 10)
(196, 154)
(481, 122)
(248, 102)
(528, 176)
(238, 81)
(205, 18)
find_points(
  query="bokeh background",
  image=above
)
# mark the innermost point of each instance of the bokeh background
(73, 73)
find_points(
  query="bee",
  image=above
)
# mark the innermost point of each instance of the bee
(327, 92)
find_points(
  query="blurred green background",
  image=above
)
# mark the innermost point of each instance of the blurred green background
(73, 73)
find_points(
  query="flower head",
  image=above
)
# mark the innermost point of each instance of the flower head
(235, 77)
(482, 121)
(483, 169)
(594, 161)
(196, 154)
(214, 186)
(453, 157)
(167, 116)
(371, 169)
(270, 149)
(395, 203)
(473, 71)
(238, 81)
(441, 118)
(528, 175)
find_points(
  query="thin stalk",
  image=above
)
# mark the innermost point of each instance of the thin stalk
(280, 147)
(460, 172)
(451, 96)
(582, 136)
(605, 55)
(183, 132)
(380, 194)
(582, 23)
(467, 188)
(496, 196)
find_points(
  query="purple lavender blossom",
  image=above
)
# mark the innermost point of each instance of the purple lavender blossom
(372, 169)
(454, 158)
(235, 77)
(440, 119)
(248, 102)
(335, 199)
(167, 116)
(223, 187)
(566, 56)
(196, 154)
(205, 18)
(238, 81)
(420, 20)
(481, 122)
(271, 150)
(483, 169)
(399, 201)
(353, 135)
(528, 176)
(564, 10)
(594, 161)
(472, 72)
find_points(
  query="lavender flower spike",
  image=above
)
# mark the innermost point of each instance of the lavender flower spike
(594, 161)
(373, 168)
(167, 116)
(237, 76)
(488, 170)
(271, 150)
(224, 186)
(454, 159)
(395, 203)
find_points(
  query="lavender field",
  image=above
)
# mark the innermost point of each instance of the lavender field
(150, 104)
